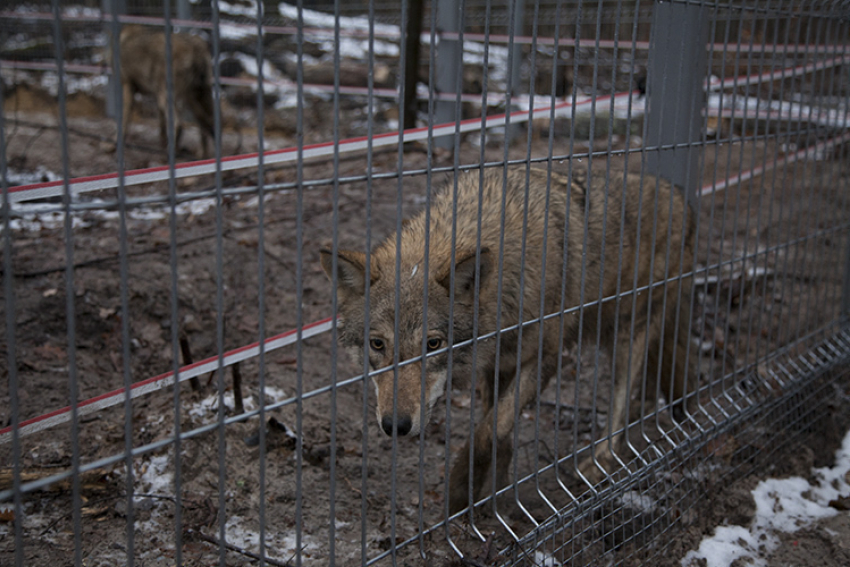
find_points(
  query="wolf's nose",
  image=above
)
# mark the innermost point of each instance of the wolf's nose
(402, 425)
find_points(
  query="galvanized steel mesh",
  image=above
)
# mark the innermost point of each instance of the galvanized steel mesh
(175, 390)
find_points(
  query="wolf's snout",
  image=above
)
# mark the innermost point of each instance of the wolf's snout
(402, 424)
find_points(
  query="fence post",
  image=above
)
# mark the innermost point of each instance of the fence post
(516, 64)
(449, 58)
(413, 39)
(109, 7)
(675, 92)
(184, 10)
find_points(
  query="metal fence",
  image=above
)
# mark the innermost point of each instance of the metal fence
(546, 354)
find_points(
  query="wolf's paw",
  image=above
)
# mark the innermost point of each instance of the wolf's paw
(598, 469)
(459, 484)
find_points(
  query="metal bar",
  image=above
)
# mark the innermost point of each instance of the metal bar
(115, 96)
(515, 61)
(70, 309)
(675, 102)
(364, 469)
(299, 292)
(412, 40)
(449, 64)
(113, 8)
(262, 460)
(171, 150)
(332, 517)
(11, 351)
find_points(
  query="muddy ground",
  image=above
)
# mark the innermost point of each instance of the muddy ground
(346, 465)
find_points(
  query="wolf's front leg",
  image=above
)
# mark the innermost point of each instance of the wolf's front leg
(482, 459)
(484, 450)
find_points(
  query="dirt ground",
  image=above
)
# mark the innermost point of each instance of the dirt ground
(347, 474)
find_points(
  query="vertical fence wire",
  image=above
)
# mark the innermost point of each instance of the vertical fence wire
(70, 308)
(9, 293)
(261, 292)
(117, 97)
(332, 518)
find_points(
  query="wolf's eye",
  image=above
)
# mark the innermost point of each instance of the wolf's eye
(376, 343)
(434, 343)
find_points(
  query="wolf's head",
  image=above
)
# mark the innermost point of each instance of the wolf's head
(400, 327)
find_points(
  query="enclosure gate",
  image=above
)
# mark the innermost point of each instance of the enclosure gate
(470, 198)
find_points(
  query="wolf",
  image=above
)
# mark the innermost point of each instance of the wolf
(505, 247)
(143, 70)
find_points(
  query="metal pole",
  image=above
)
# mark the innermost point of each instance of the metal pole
(449, 58)
(108, 7)
(411, 61)
(675, 92)
(184, 10)
(516, 63)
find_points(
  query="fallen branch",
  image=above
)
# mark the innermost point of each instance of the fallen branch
(230, 547)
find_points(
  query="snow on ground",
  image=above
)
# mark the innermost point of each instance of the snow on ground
(782, 505)
(246, 8)
(315, 19)
(281, 547)
(206, 410)
(33, 217)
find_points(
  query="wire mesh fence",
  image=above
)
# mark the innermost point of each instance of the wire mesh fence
(284, 286)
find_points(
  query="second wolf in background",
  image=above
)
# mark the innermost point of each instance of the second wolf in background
(143, 70)
(505, 248)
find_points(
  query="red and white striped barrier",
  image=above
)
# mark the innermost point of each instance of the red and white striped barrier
(190, 169)
(778, 75)
(785, 160)
(155, 383)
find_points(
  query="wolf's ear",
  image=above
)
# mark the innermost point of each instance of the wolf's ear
(350, 270)
(465, 275)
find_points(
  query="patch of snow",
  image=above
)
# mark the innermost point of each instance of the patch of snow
(278, 547)
(544, 560)
(33, 217)
(726, 545)
(247, 8)
(274, 395)
(74, 83)
(782, 505)
(639, 502)
(206, 410)
(233, 32)
(778, 109)
(359, 48)
(80, 12)
(315, 19)
(40, 175)
(274, 82)
(156, 477)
